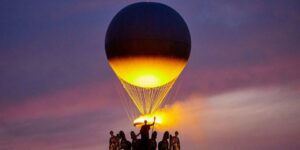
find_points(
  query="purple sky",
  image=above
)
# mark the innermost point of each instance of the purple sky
(240, 90)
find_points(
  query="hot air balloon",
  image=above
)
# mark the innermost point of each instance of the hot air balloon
(147, 46)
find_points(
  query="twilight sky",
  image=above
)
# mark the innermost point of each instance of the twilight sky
(240, 90)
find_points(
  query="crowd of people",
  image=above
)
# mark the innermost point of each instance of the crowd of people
(120, 142)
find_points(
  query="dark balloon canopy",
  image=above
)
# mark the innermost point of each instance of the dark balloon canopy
(148, 29)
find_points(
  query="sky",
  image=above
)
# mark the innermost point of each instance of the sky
(240, 89)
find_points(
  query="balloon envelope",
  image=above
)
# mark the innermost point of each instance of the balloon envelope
(147, 44)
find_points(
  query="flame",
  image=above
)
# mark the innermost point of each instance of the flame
(150, 119)
(166, 118)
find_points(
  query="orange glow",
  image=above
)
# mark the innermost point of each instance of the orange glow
(150, 119)
(183, 116)
(147, 72)
(165, 118)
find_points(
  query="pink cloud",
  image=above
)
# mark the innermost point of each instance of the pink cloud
(255, 118)
(62, 103)
(213, 80)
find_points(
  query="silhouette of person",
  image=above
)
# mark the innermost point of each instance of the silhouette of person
(175, 141)
(113, 141)
(135, 143)
(164, 144)
(153, 144)
(171, 141)
(125, 144)
(119, 140)
(144, 132)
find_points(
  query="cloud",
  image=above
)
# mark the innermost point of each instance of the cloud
(75, 118)
(252, 118)
(215, 80)
(257, 118)
(62, 103)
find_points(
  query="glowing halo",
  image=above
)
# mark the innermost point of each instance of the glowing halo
(150, 119)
